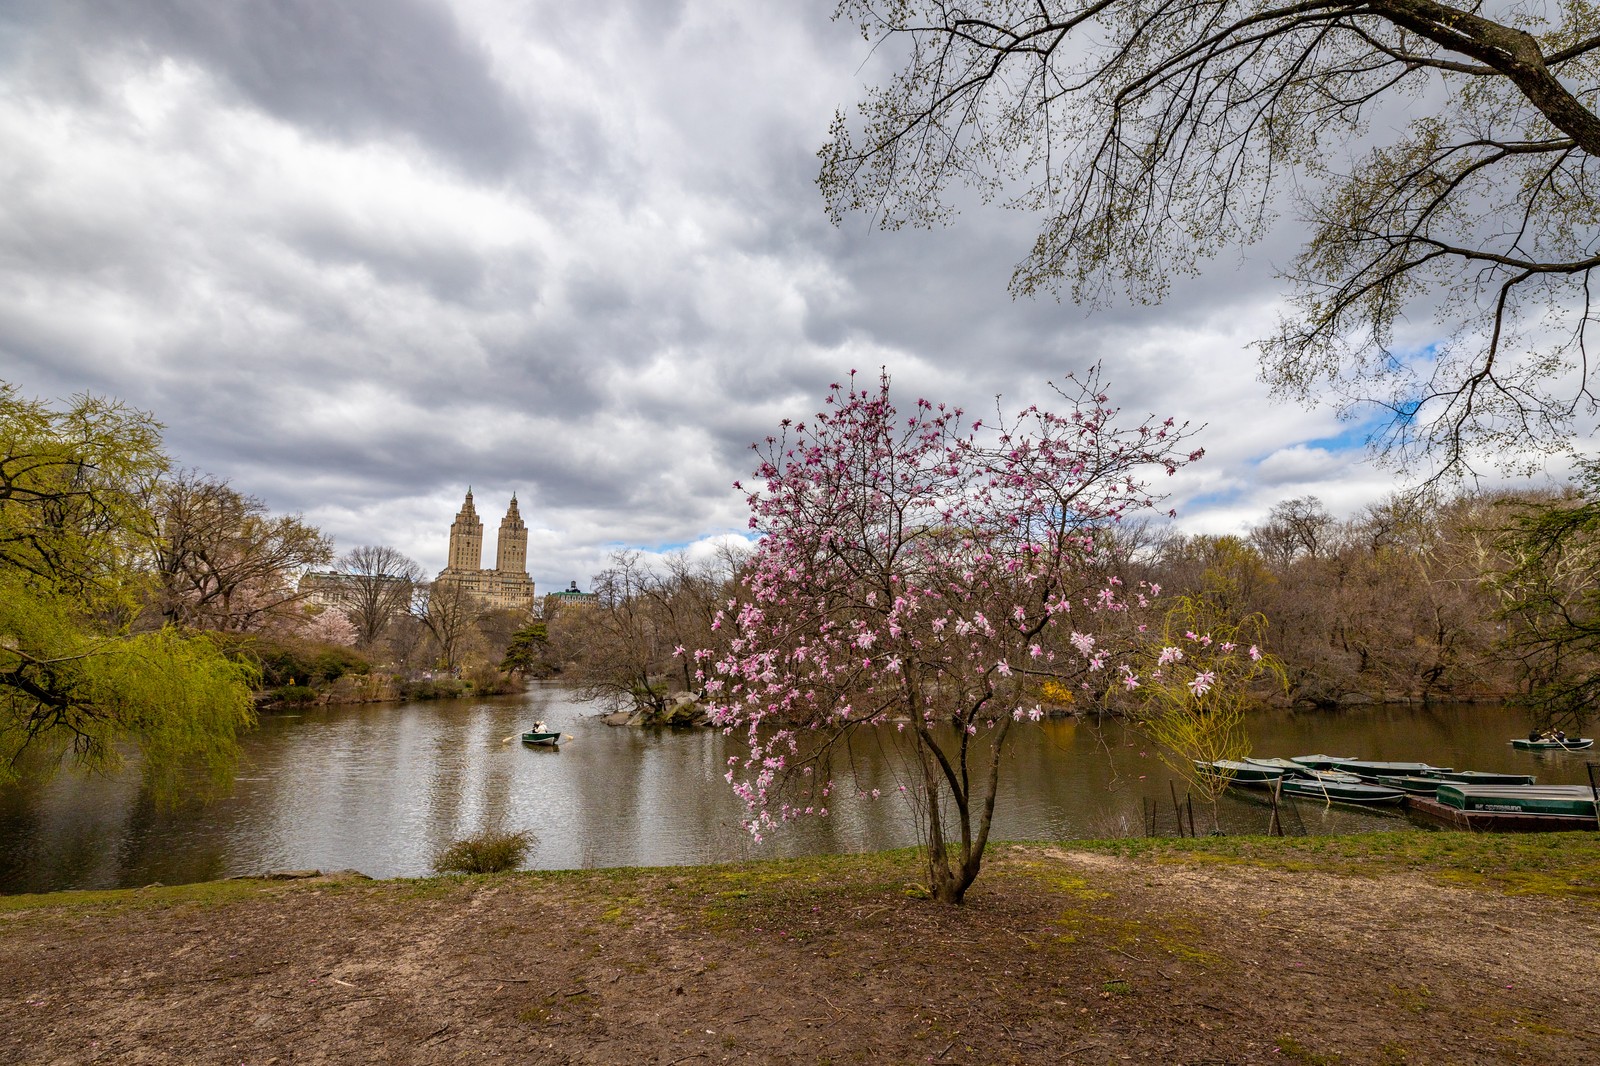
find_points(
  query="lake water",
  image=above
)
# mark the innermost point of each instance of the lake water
(382, 788)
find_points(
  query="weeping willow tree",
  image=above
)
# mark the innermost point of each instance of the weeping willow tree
(1197, 682)
(78, 681)
(66, 691)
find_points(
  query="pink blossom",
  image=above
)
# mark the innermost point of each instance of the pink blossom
(954, 528)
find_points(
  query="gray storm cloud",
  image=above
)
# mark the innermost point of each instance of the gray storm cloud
(357, 256)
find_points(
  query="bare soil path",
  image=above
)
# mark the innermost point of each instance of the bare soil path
(1061, 955)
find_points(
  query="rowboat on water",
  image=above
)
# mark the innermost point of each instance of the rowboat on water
(1341, 791)
(1289, 767)
(1479, 777)
(1568, 800)
(541, 737)
(1320, 762)
(1414, 786)
(1240, 773)
(1371, 771)
(1338, 776)
(1553, 744)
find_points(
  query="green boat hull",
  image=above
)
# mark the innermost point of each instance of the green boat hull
(1414, 786)
(1343, 792)
(1241, 773)
(1478, 777)
(1320, 762)
(1568, 800)
(1369, 770)
(1570, 744)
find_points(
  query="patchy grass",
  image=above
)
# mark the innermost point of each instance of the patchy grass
(1556, 865)
(1293, 1050)
(204, 893)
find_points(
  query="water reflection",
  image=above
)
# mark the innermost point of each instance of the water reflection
(383, 788)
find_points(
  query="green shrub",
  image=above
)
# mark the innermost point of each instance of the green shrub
(334, 662)
(491, 851)
(438, 689)
(294, 694)
(287, 661)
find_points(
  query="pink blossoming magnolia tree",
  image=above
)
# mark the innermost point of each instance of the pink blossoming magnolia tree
(919, 571)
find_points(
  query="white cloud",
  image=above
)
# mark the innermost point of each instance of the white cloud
(588, 268)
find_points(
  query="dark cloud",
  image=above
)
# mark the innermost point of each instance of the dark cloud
(349, 70)
(360, 255)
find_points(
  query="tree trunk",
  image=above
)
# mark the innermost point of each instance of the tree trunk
(943, 883)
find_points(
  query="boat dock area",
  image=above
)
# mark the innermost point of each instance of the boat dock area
(1431, 810)
(1471, 800)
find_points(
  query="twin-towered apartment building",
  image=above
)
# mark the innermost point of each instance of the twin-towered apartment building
(507, 584)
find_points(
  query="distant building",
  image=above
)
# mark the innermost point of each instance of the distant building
(569, 597)
(329, 588)
(508, 584)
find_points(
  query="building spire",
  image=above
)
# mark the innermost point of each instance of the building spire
(466, 538)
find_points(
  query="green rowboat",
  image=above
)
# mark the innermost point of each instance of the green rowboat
(1289, 767)
(1568, 800)
(1241, 773)
(1569, 744)
(541, 737)
(1320, 762)
(1342, 792)
(1371, 771)
(1416, 786)
(1478, 777)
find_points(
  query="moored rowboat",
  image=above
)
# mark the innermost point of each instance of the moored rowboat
(1341, 792)
(1569, 800)
(1320, 762)
(1241, 773)
(1288, 766)
(1371, 771)
(1479, 777)
(1415, 786)
(1292, 769)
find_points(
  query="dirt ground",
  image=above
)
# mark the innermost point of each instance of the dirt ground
(1059, 956)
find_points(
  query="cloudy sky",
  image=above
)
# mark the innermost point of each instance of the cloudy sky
(357, 256)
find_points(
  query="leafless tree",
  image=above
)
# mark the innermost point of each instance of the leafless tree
(1149, 133)
(222, 560)
(625, 648)
(1295, 528)
(449, 611)
(375, 587)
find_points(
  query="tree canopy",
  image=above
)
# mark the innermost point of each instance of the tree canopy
(74, 675)
(918, 571)
(377, 584)
(224, 562)
(1147, 134)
